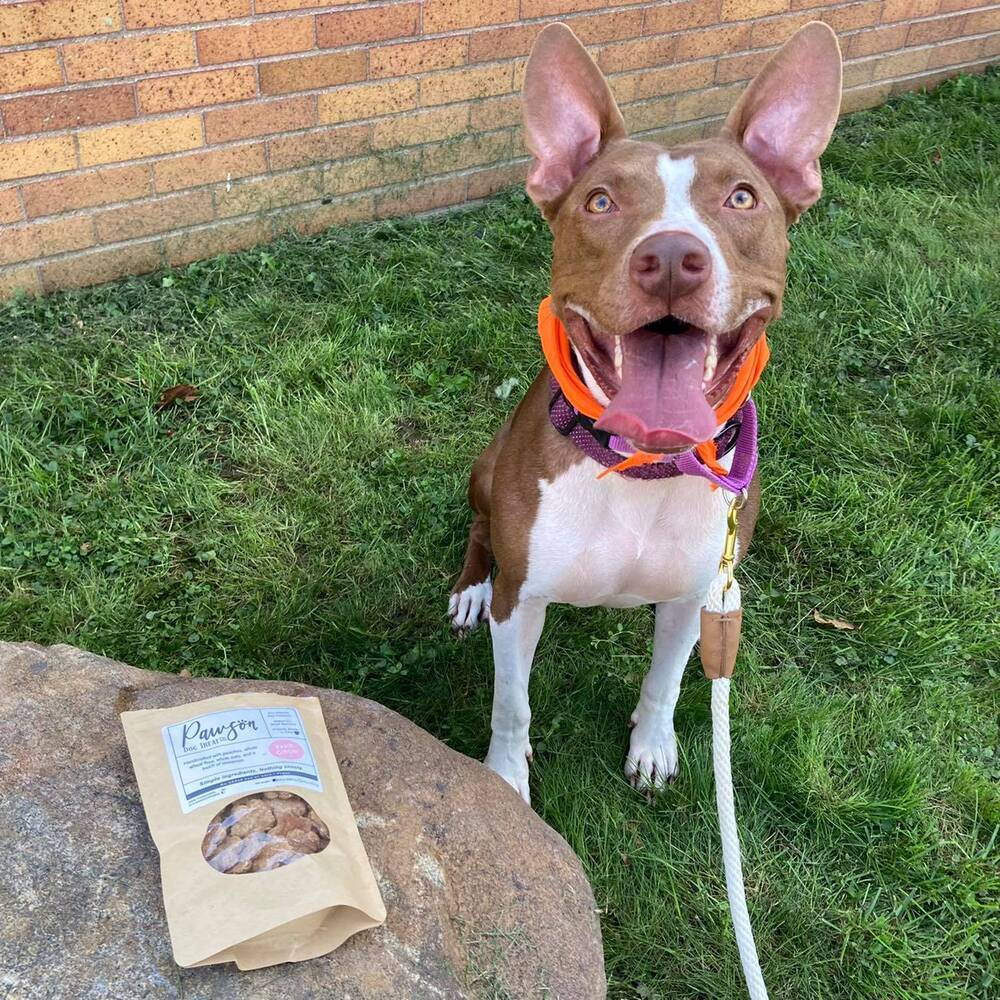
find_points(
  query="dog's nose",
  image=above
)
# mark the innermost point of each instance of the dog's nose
(670, 265)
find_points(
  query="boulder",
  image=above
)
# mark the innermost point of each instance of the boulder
(483, 899)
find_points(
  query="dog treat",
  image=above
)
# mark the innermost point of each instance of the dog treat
(248, 785)
(257, 829)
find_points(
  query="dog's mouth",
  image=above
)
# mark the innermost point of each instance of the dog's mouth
(664, 379)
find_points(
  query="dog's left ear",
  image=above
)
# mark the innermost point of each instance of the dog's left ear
(569, 114)
(784, 119)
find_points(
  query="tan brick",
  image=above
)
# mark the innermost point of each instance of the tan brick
(865, 97)
(312, 72)
(24, 23)
(776, 30)
(194, 169)
(936, 30)
(964, 50)
(263, 118)
(449, 15)
(680, 16)
(420, 198)
(649, 114)
(367, 101)
(370, 24)
(672, 79)
(484, 183)
(901, 64)
(499, 112)
(118, 143)
(315, 218)
(133, 56)
(236, 42)
(29, 70)
(635, 55)
(19, 279)
(742, 67)
(417, 57)
(545, 8)
(979, 22)
(95, 187)
(266, 193)
(471, 151)
(948, 6)
(100, 266)
(227, 237)
(671, 135)
(705, 103)
(44, 239)
(465, 84)
(502, 43)
(868, 43)
(10, 206)
(72, 109)
(614, 26)
(625, 87)
(742, 10)
(156, 13)
(712, 42)
(157, 216)
(424, 126)
(857, 73)
(853, 16)
(189, 90)
(271, 6)
(907, 10)
(394, 167)
(318, 147)
(32, 157)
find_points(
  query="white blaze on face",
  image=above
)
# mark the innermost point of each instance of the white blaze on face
(680, 215)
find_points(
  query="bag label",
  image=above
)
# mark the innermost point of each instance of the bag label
(239, 751)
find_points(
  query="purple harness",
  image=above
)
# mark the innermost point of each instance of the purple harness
(738, 435)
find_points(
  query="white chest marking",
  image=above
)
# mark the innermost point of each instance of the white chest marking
(618, 542)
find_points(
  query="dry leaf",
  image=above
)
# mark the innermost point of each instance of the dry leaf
(183, 392)
(836, 623)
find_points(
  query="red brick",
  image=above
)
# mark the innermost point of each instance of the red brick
(449, 15)
(157, 216)
(10, 206)
(502, 43)
(24, 23)
(393, 167)
(44, 239)
(315, 218)
(29, 70)
(118, 143)
(370, 24)
(95, 187)
(321, 146)
(421, 198)
(369, 100)
(417, 57)
(100, 266)
(19, 279)
(484, 183)
(680, 16)
(267, 193)
(424, 126)
(484, 116)
(227, 237)
(236, 42)
(189, 90)
(465, 84)
(194, 169)
(32, 157)
(156, 13)
(264, 118)
(712, 42)
(312, 72)
(73, 109)
(907, 10)
(132, 56)
(545, 8)
(635, 55)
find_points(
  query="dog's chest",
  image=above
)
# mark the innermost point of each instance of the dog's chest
(621, 542)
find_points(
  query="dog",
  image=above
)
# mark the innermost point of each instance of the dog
(667, 265)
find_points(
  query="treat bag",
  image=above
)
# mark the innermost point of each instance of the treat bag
(260, 857)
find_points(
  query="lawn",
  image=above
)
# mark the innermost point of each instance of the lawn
(304, 517)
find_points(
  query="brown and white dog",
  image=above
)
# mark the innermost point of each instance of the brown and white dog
(696, 233)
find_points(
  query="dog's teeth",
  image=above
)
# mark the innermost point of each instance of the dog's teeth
(618, 357)
(711, 360)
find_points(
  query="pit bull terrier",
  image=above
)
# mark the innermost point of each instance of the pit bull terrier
(667, 265)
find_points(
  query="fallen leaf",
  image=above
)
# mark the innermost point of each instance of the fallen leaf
(183, 392)
(837, 623)
(936, 157)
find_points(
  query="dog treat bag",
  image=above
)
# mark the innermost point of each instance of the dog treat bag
(260, 858)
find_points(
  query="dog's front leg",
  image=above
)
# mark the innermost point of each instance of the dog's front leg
(652, 754)
(514, 642)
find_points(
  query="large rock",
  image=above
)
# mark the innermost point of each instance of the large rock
(483, 898)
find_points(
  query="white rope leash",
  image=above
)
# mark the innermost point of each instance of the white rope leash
(722, 600)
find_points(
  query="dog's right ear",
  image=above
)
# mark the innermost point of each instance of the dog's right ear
(569, 114)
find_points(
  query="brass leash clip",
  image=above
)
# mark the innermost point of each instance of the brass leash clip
(728, 560)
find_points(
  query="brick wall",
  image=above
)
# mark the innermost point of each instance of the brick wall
(140, 133)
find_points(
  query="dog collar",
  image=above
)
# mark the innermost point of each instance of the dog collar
(573, 410)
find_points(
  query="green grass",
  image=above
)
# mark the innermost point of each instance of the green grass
(305, 517)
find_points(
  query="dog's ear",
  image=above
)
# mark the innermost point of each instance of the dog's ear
(785, 117)
(569, 113)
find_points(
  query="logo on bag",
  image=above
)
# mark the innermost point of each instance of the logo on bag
(195, 736)
(286, 750)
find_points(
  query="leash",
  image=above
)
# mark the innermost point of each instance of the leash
(721, 624)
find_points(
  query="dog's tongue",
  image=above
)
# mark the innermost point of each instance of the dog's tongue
(661, 404)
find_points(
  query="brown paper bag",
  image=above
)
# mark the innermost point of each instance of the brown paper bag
(260, 858)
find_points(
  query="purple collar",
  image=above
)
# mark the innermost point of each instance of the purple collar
(738, 435)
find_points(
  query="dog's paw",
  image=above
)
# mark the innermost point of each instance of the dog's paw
(470, 607)
(652, 762)
(511, 763)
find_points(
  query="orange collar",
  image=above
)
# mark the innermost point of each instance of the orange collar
(559, 355)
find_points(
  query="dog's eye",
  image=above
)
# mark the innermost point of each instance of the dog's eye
(600, 203)
(743, 198)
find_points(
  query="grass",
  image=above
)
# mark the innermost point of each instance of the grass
(304, 518)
